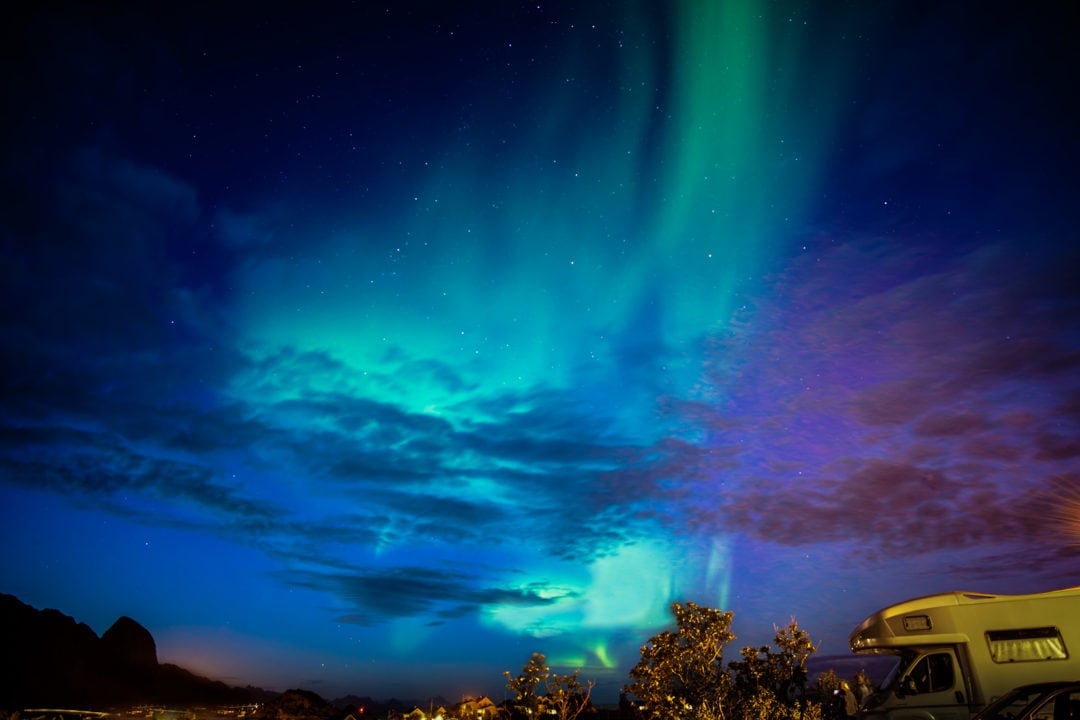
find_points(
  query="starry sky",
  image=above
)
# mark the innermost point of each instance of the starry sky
(371, 347)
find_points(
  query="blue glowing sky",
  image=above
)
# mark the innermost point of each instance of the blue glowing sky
(373, 348)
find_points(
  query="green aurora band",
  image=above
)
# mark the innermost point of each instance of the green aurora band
(491, 261)
(611, 220)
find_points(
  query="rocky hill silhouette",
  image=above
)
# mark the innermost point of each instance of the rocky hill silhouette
(298, 705)
(50, 660)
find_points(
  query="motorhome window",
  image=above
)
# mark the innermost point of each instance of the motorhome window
(933, 673)
(1027, 644)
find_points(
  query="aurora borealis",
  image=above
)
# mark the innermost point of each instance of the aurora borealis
(371, 348)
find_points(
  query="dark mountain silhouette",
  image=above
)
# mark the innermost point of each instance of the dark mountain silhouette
(49, 660)
(298, 705)
(130, 646)
(372, 708)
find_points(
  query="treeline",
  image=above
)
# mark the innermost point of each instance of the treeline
(682, 675)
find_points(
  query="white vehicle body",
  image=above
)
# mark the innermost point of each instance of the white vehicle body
(958, 651)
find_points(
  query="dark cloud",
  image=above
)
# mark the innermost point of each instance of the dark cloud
(406, 469)
(446, 516)
(992, 447)
(101, 470)
(945, 423)
(915, 416)
(407, 591)
(884, 508)
(1054, 446)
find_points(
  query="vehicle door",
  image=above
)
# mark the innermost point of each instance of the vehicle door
(1064, 705)
(932, 687)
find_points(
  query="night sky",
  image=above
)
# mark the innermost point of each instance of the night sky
(373, 347)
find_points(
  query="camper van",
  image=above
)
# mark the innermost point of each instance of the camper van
(958, 651)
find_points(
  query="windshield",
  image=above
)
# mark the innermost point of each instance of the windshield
(903, 660)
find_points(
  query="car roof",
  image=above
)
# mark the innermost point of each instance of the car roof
(1051, 685)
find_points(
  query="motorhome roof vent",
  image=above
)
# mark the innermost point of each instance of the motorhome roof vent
(913, 623)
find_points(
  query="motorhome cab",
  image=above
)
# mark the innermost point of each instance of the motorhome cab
(958, 651)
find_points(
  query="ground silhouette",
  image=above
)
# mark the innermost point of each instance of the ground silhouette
(49, 659)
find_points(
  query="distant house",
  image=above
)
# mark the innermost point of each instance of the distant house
(439, 713)
(481, 708)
